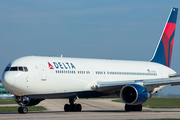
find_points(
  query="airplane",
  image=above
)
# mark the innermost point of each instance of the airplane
(35, 78)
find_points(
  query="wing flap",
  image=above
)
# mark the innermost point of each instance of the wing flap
(163, 81)
(177, 75)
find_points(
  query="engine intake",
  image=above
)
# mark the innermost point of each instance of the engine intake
(134, 94)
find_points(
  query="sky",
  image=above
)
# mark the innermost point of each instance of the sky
(100, 29)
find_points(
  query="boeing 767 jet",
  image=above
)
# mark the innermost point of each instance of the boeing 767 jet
(34, 78)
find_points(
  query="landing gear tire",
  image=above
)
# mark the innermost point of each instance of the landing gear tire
(133, 107)
(127, 107)
(72, 107)
(139, 107)
(79, 107)
(22, 110)
(66, 107)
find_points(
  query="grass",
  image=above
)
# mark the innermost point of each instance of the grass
(156, 102)
(162, 103)
(7, 101)
(15, 109)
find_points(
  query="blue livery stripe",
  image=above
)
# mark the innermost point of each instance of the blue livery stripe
(173, 16)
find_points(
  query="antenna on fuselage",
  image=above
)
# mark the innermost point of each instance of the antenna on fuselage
(61, 55)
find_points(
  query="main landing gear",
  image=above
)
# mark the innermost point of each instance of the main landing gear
(20, 100)
(72, 107)
(133, 107)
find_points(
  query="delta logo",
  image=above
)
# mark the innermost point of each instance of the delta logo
(50, 66)
(61, 65)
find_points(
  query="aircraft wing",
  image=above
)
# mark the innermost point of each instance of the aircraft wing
(172, 80)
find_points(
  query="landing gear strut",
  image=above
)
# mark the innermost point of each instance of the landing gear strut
(22, 109)
(72, 107)
(133, 107)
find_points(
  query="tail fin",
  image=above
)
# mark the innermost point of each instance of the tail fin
(164, 48)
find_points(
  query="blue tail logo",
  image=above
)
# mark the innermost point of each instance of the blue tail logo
(164, 49)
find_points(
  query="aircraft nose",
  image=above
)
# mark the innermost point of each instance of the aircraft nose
(8, 79)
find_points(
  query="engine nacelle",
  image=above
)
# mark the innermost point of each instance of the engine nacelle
(134, 94)
(31, 102)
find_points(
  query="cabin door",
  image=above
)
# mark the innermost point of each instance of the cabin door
(43, 72)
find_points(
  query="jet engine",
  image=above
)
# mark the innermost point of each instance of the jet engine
(134, 94)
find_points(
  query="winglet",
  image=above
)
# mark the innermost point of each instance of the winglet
(164, 48)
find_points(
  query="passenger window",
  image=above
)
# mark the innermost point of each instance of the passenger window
(25, 69)
(14, 69)
(21, 69)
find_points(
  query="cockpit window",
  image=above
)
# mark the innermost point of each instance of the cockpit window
(7, 69)
(25, 69)
(20, 68)
(14, 69)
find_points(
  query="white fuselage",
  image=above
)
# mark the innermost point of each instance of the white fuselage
(60, 75)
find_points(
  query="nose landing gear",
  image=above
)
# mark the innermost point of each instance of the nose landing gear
(20, 100)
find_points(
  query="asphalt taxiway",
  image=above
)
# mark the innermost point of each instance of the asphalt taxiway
(97, 109)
